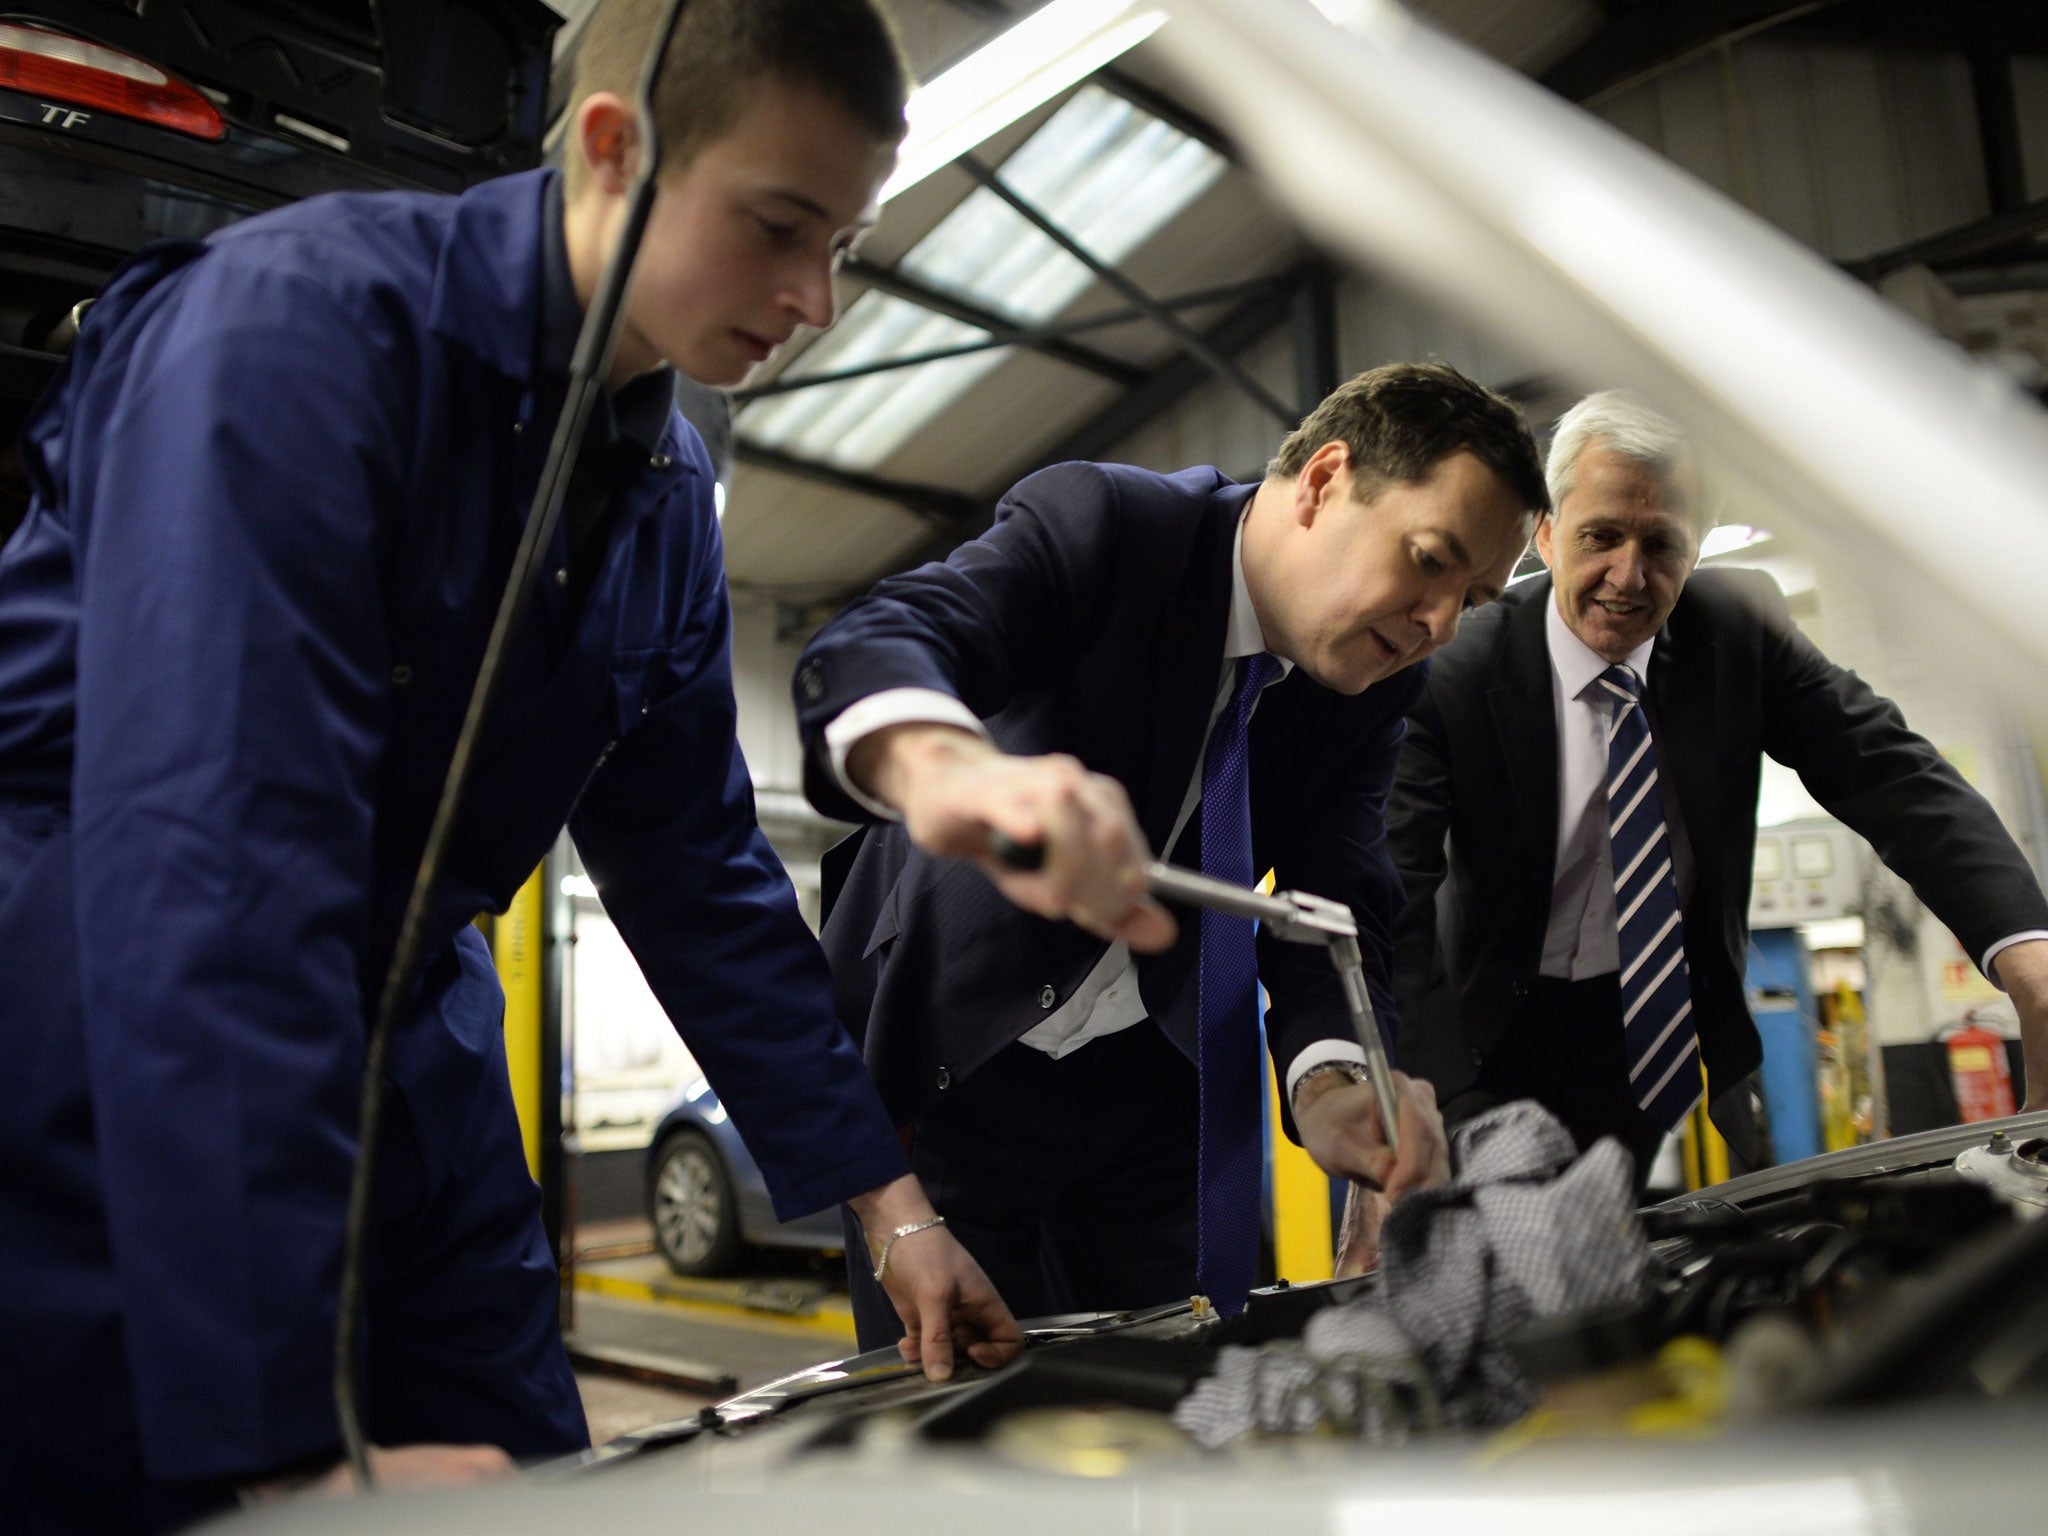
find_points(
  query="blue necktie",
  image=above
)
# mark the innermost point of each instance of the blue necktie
(1656, 991)
(1227, 1051)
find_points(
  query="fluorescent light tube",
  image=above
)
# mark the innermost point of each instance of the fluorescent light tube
(1056, 46)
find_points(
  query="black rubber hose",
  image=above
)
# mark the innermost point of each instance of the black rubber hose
(594, 346)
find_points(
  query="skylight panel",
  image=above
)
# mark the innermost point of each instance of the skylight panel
(843, 423)
(1104, 170)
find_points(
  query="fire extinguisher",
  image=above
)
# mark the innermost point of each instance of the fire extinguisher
(1977, 1066)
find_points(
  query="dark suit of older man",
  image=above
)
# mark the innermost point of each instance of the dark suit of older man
(1475, 831)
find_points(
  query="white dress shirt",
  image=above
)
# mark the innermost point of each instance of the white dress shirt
(1581, 941)
(1107, 1000)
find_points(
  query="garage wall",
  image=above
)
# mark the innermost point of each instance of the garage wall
(762, 665)
(1847, 150)
(2030, 87)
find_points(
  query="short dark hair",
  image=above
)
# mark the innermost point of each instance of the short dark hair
(846, 50)
(1401, 420)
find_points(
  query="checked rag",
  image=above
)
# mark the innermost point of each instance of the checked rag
(1523, 1233)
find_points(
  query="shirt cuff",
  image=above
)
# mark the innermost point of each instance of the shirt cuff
(1320, 1053)
(2006, 943)
(878, 711)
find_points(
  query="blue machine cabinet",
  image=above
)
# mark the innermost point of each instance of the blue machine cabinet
(1781, 998)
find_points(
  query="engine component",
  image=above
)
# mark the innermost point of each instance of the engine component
(2015, 1171)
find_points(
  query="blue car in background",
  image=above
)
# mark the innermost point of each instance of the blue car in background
(706, 1197)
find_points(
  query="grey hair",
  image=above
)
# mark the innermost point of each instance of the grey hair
(1617, 420)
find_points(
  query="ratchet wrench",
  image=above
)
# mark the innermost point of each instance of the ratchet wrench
(1294, 917)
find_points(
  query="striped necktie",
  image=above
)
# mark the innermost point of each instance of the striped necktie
(1227, 1046)
(1656, 991)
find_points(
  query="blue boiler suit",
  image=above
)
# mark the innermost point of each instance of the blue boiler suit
(276, 492)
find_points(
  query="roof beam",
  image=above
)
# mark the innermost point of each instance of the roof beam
(787, 384)
(1166, 384)
(2007, 26)
(1998, 128)
(943, 511)
(1315, 335)
(1268, 306)
(1648, 38)
(2000, 238)
(1189, 340)
(1120, 82)
(955, 307)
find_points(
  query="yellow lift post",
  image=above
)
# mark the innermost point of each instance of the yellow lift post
(516, 944)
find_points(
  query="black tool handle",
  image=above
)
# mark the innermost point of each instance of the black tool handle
(1025, 857)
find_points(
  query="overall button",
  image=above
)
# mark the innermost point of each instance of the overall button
(660, 461)
(401, 675)
(1519, 989)
(811, 680)
(944, 1079)
(562, 576)
(1047, 997)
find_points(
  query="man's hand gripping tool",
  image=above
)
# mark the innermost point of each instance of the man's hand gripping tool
(1294, 917)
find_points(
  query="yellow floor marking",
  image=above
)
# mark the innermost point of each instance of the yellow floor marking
(833, 1318)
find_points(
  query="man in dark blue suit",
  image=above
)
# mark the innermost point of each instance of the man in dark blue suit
(1061, 1084)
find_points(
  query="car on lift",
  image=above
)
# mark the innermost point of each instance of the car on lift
(706, 1198)
(123, 124)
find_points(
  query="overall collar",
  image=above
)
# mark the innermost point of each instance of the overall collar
(487, 283)
(503, 291)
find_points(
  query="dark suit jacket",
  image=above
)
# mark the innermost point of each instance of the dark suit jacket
(1089, 620)
(1474, 815)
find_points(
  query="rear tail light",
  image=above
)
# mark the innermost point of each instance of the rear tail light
(68, 69)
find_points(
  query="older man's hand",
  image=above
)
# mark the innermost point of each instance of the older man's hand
(1341, 1129)
(2023, 972)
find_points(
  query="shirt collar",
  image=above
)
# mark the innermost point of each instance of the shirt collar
(1241, 635)
(1576, 664)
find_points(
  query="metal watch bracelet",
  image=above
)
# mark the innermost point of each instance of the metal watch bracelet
(1355, 1070)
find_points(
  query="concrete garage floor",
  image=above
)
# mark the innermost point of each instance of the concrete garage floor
(783, 1313)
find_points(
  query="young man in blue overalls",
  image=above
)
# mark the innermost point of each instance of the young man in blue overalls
(276, 493)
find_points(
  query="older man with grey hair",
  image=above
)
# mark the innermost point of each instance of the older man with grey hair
(1574, 813)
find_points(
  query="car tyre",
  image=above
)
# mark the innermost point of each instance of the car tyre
(690, 1200)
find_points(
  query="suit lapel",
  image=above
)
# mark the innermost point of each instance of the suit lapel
(1190, 656)
(1525, 721)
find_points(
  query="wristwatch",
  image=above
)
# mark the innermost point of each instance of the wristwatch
(1355, 1070)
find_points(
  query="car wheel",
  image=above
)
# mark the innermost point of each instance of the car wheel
(690, 1201)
